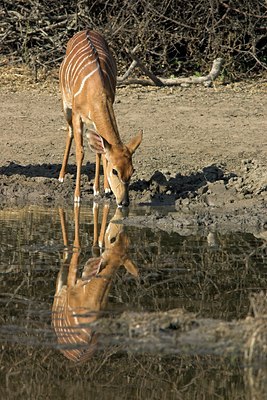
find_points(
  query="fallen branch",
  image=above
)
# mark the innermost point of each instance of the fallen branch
(146, 71)
(128, 72)
(138, 62)
(131, 68)
(206, 80)
(181, 333)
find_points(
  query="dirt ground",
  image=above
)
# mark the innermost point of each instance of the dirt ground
(204, 149)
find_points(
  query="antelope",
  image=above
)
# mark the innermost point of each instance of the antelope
(81, 301)
(88, 76)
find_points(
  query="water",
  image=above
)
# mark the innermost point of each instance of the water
(142, 270)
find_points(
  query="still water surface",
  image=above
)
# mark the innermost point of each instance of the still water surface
(56, 278)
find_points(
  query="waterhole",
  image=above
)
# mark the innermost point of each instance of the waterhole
(64, 271)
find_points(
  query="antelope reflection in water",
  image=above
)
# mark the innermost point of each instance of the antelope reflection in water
(80, 301)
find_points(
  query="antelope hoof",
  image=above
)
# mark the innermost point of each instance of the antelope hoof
(61, 179)
(108, 192)
(95, 205)
(96, 192)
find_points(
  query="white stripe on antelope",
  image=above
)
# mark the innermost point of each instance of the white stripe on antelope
(88, 84)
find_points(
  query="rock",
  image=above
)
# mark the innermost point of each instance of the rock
(218, 194)
(146, 198)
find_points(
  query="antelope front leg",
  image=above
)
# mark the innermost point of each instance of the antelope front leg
(106, 184)
(103, 225)
(78, 137)
(74, 262)
(97, 174)
(64, 233)
(66, 153)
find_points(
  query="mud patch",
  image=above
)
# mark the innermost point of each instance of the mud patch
(208, 198)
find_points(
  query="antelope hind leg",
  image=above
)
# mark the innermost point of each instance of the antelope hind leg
(68, 116)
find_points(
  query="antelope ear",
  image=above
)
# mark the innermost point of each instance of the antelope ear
(131, 267)
(96, 143)
(135, 141)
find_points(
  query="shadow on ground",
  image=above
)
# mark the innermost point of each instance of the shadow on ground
(166, 189)
(44, 170)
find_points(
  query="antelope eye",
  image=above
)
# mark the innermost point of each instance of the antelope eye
(112, 240)
(115, 172)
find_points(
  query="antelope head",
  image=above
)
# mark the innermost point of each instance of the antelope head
(119, 167)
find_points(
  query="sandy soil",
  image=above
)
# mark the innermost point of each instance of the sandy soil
(203, 148)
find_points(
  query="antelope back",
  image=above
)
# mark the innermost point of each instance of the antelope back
(87, 70)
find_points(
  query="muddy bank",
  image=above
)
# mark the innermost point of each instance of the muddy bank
(209, 198)
(203, 151)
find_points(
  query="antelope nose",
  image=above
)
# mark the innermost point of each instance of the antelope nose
(124, 203)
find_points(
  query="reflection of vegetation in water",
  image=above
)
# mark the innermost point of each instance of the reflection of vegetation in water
(214, 280)
(126, 376)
